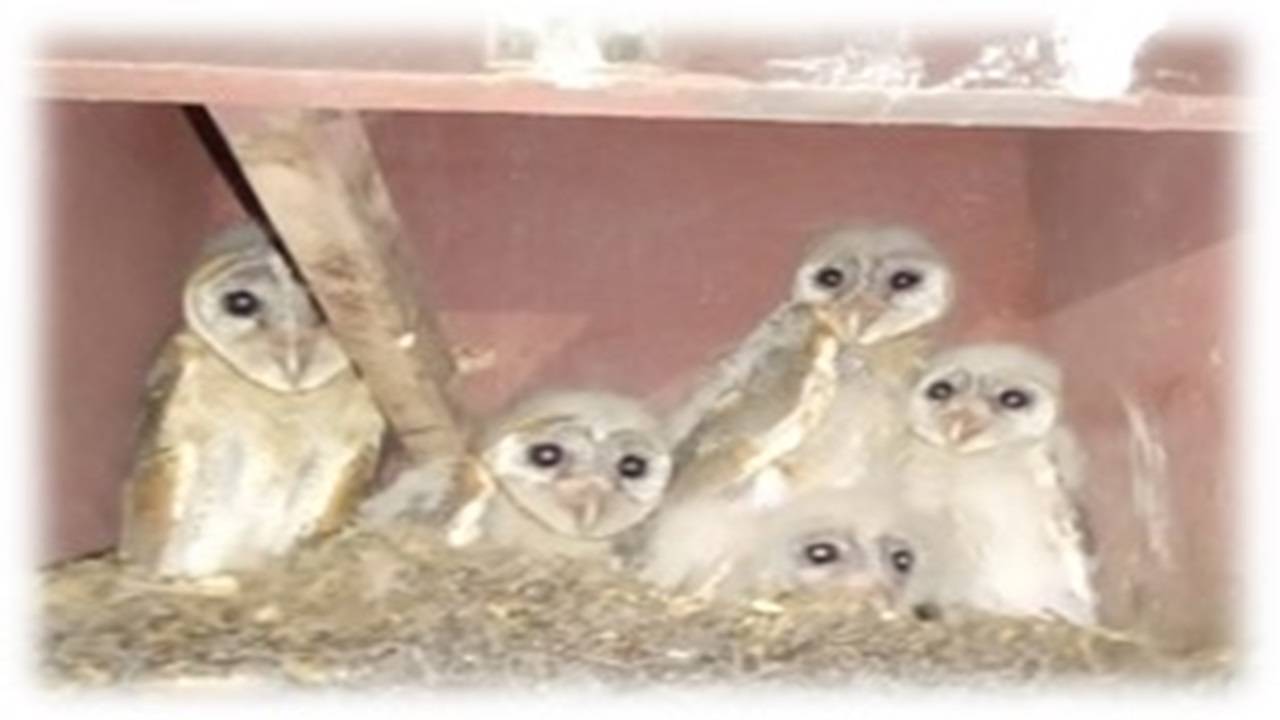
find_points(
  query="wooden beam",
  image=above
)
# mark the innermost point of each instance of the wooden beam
(315, 175)
(675, 97)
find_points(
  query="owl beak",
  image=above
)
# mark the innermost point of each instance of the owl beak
(584, 497)
(962, 425)
(870, 589)
(862, 313)
(295, 359)
(881, 597)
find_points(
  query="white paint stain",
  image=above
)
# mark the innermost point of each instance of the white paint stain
(1097, 52)
(887, 65)
(1149, 479)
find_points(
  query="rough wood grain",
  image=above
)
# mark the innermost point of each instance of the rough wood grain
(315, 175)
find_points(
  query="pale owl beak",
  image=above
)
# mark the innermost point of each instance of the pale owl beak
(882, 597)
(870, 589)
(295, 359)
(961, 425)
(584, 497)
(862, 313)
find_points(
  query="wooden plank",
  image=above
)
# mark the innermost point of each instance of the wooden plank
(658, 96)
(315, 175)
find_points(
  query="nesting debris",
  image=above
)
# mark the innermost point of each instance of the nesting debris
(398, 609)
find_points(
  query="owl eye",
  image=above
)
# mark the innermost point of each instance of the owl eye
(821, 553)
(940, 390)
(241, 303)
(546, 455)
(633, 466)
(905, 279)
(829, 277)
(1014, 399)
(902, 560)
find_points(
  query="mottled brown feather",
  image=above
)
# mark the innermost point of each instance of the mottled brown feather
(356, 477)
(148, 491)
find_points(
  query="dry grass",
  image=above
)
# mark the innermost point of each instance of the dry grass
(394, 609)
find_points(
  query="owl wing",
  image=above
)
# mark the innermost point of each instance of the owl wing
(1069, 525)
(150, 488)
(355, 478)
(783, 398)
(1067, 459)
(720, 388)
(477, 490)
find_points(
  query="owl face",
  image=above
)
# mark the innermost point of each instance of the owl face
(822, 542)
(245, 301)
(877, 282)
(834, 556)
(980, 397)
(583, 464)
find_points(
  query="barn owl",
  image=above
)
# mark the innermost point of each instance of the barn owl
(562, 472)
(987, 484)
(257, 431)
(849, 337)
(810, 399)
(814, 542)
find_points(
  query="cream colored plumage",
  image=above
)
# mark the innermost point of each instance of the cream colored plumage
(849, 338)
(257, 431)
(987, 485)
(562, 473)
(811, 543)
(810, 399)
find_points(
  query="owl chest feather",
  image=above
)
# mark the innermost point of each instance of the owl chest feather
(864, 422)
(256, 470)
(509, 526)
(999, 531)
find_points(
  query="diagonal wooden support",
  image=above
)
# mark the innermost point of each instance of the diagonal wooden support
(315, 175)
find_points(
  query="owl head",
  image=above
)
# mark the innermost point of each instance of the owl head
(246, 302)
(984, 396)
(583, 464)
(819, 542)
(878, 281)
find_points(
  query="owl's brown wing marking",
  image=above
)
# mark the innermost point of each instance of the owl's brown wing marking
(1069, 520)
(784, 398)
(472, 501)
(1067, 459)
(149, 489)
(770, 393)
(1071, 524)
(719, 387)
(356, 477)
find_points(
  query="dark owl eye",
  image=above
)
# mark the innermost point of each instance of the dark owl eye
(902, 560)
(241, 303)
(821, 553)
(633, 466)
(1015, 399)
(940, 390)
(829, 277)
(904, 279)
(546, 455)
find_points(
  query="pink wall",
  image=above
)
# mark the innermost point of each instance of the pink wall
(1137, 260)
(624, 253)
(130, 193)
